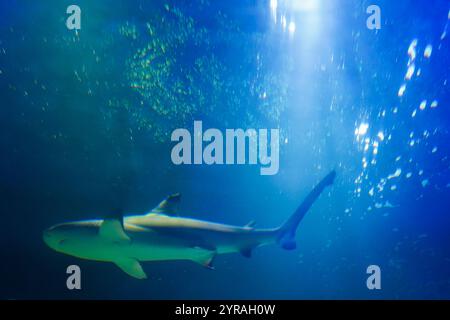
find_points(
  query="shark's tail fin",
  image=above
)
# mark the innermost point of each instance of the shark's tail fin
(286, 233)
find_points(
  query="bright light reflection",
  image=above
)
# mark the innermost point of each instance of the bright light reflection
(291, 27)
(304, 5)
(273, 9)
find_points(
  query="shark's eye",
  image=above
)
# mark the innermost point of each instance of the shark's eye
(60, 242)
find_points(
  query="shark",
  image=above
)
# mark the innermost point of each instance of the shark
(162, 235)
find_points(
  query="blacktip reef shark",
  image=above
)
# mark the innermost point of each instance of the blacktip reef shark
(161, 235)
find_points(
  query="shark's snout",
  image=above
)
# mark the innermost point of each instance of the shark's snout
(50, 238)
(46, 236)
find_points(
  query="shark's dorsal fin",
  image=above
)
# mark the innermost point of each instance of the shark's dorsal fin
(169, 205)
(112, 228)
(132, 267)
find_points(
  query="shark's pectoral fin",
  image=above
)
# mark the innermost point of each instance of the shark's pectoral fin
(132, 267)
(206, 258)
(112, 229)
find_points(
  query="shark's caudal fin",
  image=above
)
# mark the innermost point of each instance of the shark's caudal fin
(286, 233)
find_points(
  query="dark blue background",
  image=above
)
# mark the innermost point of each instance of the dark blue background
(66, 157)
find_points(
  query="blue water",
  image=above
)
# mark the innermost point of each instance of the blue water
(86, 119)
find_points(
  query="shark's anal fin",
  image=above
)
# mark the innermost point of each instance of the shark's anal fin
(205, 258)
(131, 267)
(169, 205)
(112, 229)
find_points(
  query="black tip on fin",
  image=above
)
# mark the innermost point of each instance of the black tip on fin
(209, 264)
(169, 205)
(288, 244)
(206, 259)
(174, 197)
